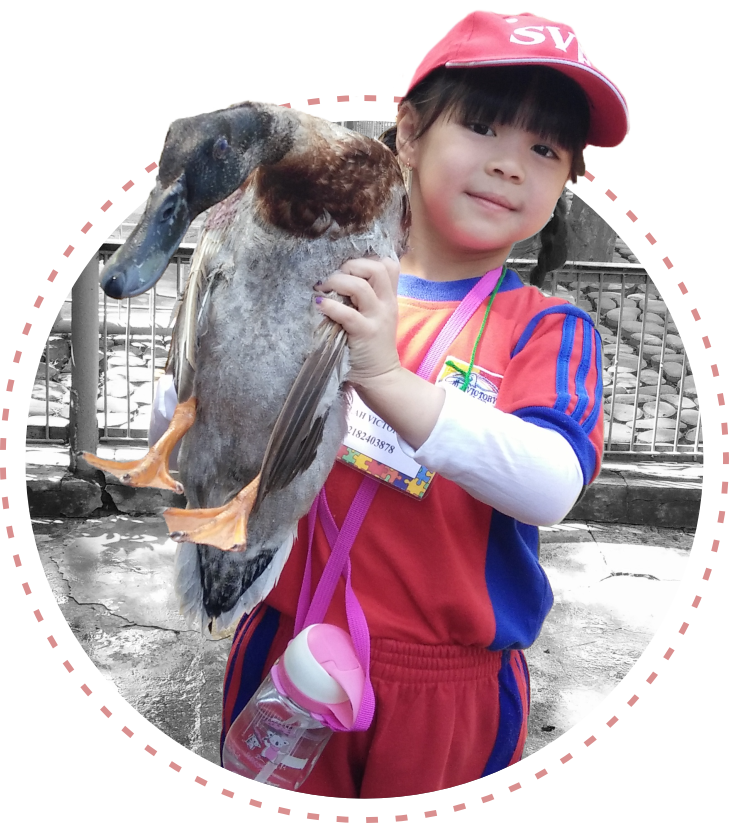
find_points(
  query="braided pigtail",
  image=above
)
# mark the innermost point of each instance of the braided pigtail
(389, 138)
(554, 240)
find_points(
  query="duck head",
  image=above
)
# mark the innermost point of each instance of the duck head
(204, 160)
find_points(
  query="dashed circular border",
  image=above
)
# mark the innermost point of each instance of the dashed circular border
(198, 779)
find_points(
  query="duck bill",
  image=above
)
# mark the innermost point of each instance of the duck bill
(137, 265)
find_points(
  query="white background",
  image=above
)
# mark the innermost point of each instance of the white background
(89, 90)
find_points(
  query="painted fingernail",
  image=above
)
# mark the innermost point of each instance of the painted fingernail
(318, 300)
(318, 283)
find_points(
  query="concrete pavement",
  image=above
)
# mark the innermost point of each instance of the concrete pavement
(612, 586)
(112, 577)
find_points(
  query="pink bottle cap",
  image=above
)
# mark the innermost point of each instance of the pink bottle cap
(320, 671)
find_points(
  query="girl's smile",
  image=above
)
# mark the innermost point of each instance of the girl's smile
(492, 201)
(478, 189)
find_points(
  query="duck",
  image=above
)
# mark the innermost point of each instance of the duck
(260, 373)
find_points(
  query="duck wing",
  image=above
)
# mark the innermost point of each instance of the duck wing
(297, 432)
(196, 305)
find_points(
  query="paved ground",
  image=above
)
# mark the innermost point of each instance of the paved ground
(612, 585)
(112, 578)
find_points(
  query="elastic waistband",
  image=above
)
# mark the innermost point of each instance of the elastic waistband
(397, 660)
(404, 662)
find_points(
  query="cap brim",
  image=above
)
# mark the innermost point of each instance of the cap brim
(608, 109)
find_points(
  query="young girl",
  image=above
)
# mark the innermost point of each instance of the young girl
(507, 419)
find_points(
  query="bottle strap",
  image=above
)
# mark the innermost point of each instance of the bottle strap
(310, 611)
(314, 610)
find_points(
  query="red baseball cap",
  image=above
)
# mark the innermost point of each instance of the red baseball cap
(488, 39)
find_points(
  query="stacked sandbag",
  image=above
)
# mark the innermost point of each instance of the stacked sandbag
(650, 393)
(127, 375)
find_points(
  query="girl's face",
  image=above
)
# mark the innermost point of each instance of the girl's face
(478, 188)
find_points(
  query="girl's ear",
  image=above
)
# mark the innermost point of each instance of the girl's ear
(407, 122)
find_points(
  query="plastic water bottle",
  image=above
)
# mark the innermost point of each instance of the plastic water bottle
(282, 731)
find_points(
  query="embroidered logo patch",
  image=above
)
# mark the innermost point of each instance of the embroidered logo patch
(483, 384)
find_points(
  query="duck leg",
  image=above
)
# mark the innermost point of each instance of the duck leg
(291, 449)
(152, 469)
(224, 527)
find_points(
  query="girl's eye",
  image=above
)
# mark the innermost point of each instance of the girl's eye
(480, 128)
(544, 151)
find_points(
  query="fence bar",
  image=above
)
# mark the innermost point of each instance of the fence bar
(150, 318)
(83, 428)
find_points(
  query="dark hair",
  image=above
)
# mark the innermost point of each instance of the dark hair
(537, 98)
(554, 242)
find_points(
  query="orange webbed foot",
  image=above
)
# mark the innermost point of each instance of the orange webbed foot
(225, 527)
(148, 472)
(152, 471)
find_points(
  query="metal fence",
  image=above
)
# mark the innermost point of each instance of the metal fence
(650, 397)
(134, 340)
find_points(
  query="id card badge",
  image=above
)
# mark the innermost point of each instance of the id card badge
(372, 447)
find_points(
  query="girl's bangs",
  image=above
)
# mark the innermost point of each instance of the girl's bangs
(536, 98)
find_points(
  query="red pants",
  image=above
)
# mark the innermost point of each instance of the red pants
(445, 715)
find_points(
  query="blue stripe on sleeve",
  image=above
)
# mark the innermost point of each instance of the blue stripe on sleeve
(596, 413)
(573, 315)
(582, 371)
(570, 429)
(566, 309)
(562, 382)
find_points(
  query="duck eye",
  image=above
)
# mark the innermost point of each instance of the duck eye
(220, 149)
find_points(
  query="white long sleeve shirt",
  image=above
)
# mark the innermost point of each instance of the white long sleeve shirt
(523, 470)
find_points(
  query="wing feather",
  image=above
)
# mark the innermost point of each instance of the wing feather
(298, 429)
(194, 308)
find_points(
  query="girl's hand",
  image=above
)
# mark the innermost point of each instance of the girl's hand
(371, 320)
(390, 390)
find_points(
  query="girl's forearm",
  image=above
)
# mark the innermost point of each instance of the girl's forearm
(523, 470)
(404, 401)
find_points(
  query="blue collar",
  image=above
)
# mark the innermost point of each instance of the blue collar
(450, 290)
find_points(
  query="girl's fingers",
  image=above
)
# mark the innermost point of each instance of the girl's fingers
(370, 316)
(348, 318)
(381, 274)
(393, 270)
(359, 290)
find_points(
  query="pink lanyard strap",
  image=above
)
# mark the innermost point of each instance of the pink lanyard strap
(314, 610)
(463, 313)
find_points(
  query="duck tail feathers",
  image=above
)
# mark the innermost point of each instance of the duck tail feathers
(257, 591)
(189, 590)
(188, 586)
